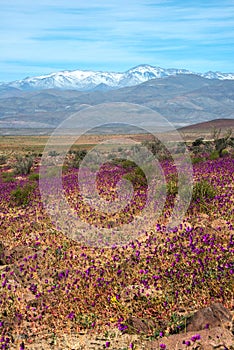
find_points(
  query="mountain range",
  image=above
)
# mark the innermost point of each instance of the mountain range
(182, 97)
(88, 80)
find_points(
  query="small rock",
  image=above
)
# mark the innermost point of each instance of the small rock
(210, 339)
(18, 253)
(140, 326)
(213, 316)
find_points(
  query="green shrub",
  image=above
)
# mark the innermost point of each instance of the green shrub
(158, 149)
(79, 156)
(135, 174)
(8, 177)
(33, 176)
(225, 152)
(135, 179)
(53, 153)
(214, 155)
(196, 160)
(198, 142)
(175, 186)
(124, 163)
(23, 165)
(22, 195)
(172, 184)
(65, 168)
(221, 143)
(180, 148)
(172, 187)
(203, 190)
(3, 159)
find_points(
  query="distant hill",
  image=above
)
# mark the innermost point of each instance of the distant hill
(218, 123)
(206, 129)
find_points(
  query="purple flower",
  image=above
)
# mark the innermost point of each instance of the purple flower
(186, 342)
(156, 277)
(4, 283)
(71, 315)
(107, 344)
(61, 275)
(196, 337)
(122, 327)
(163, 346)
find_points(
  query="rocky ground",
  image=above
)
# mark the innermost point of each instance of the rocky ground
(208, 329)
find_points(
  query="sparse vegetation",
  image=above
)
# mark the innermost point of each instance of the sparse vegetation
(7, 177)
(78, 157)
(22, 195)
(221, 143)
(203, 190)
(53, 153)
(23, 165)
(33, 176)
(3, 159)
(196, 160)
(158, 149)
(214, 155)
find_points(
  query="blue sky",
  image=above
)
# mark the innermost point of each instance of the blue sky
(39, 37)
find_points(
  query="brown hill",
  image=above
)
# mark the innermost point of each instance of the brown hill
(217, 123)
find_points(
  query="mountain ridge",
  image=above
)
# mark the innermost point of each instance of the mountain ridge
(183, 99)
(85, 80)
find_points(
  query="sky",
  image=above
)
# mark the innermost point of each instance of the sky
(40, 37)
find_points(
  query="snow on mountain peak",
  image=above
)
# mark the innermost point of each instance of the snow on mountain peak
(86, 79)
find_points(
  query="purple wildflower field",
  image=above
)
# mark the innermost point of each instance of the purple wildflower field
(50, 283)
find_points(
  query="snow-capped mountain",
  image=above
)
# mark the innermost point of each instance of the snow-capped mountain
(88, 80)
